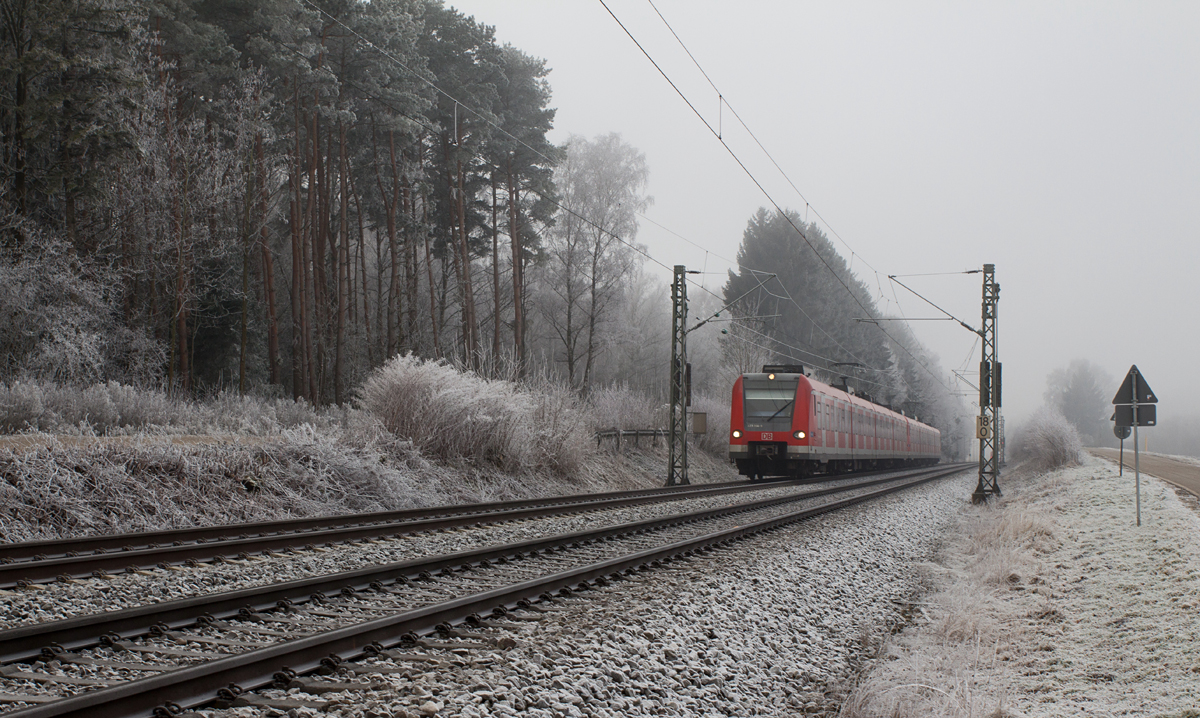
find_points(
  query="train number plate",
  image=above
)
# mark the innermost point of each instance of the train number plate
(768, 436)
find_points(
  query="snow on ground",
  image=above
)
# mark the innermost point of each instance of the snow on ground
(1052, 602)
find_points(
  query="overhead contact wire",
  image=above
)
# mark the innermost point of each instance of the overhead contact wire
(765, 193)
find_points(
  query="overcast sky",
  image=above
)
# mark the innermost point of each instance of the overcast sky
(1059, 141)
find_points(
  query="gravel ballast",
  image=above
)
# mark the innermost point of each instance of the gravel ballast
(57, 601)
(774, 625)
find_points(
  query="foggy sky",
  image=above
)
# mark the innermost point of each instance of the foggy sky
(1059, 141)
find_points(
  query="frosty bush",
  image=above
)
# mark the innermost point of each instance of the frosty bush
(454, 415)
(1048, 441)
(112, 407)
(564, 438)
(619, 407)
(20, 406)
(716, 440)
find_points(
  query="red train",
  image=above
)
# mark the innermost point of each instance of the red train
(832, 432)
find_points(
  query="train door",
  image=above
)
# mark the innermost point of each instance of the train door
(842, 428)
(825, 421)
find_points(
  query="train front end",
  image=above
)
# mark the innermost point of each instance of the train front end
(768, 436)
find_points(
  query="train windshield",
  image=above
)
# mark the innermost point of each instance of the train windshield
(769, 403)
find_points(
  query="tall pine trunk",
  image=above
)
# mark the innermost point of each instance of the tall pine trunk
(518, 271)
(495, 282)
(343, 268)
(268, 263)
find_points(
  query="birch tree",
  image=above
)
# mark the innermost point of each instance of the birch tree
(592, 247)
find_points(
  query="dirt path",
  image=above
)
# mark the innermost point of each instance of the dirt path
(1182, 474)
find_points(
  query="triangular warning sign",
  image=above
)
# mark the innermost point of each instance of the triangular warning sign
(1135, 383)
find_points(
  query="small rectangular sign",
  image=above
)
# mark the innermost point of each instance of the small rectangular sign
(1147, 415)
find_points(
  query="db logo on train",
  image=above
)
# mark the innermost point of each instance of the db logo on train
(767, 436)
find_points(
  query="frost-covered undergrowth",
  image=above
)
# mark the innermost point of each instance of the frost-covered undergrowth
(113, 408)
(1052, 602)
(1047, 441)
(112, 458)
(449, 414)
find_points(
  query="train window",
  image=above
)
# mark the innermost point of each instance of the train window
(769, 404)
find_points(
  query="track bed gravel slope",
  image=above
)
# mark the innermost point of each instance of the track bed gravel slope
(771, 626)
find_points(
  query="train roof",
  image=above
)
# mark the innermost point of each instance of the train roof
(814, 385)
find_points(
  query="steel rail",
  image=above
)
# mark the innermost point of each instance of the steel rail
(29, 572)
(195, 686)
(25, 643)
(97, 564)
(143, 539)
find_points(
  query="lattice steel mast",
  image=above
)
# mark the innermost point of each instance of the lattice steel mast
(987, 427)
(677, 470)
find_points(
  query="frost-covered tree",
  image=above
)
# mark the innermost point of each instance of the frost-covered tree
(260, 192)
(1079, 391)
(816, 297)
(825, 322)
(591, 251)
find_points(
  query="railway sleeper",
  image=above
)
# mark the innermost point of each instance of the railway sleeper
(49, 655)
(13, 673)
(317, 688)
(159, 650)
(282, 704)
(22, 698)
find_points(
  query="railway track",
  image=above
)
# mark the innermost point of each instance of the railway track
(26, 563)
(180, 654)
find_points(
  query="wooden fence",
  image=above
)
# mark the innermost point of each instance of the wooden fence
(620, 437)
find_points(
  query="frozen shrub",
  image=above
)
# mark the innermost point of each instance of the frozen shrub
(115, 408)
(246, 414)
(716, 440)
(564, 437)
(1048, 441)
(21, 406)
(619, 407)
(140, 407)
(456, 415)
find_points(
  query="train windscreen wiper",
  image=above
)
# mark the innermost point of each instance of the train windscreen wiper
(785, 405)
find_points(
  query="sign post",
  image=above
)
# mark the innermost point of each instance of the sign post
(1122, 433)
(1135, 407)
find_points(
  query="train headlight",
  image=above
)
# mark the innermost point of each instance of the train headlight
(771, 376)
(799, 434)
(737, 434)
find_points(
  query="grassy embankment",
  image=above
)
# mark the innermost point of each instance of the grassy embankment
(112, 458)
(1050, 601)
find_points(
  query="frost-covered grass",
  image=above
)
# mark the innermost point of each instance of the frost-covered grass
(1052, 602)
(112, 458)
(1047, 441)
(115, 408)
(54, 487)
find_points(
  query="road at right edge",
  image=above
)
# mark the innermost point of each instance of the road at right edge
(1180, 473)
